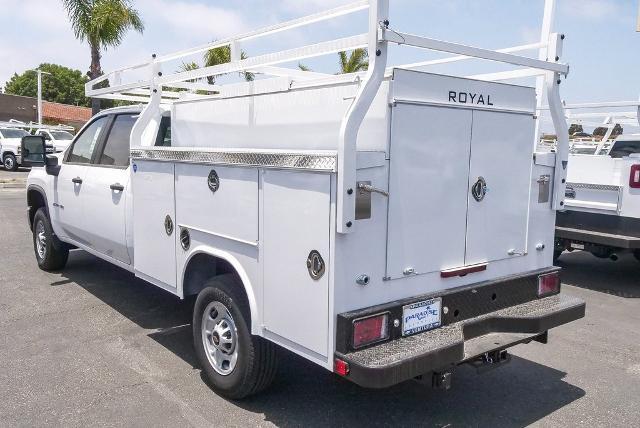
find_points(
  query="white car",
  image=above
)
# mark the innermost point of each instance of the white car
(59, 139)
(10, 139)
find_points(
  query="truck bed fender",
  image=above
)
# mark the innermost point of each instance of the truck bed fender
(239, 270)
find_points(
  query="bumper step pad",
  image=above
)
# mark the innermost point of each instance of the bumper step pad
(403, 359)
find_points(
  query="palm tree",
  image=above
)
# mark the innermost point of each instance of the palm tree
(222, 55)
(103, 24)
(357, 61)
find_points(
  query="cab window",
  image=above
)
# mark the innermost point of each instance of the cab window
(164, 133)
(116, 149)
(624, 148)
(85, 144)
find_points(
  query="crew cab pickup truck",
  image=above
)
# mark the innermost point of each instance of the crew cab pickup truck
(387, 226)
(602, 213)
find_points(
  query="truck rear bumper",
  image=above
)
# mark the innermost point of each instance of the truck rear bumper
(407, 357)
(599, 229)
(598, 238)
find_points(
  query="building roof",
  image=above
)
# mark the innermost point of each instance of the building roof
(65, 113)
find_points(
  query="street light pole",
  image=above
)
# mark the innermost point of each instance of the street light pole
(40, 73)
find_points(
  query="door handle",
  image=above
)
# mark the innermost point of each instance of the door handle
(117, 186)
(77, 180)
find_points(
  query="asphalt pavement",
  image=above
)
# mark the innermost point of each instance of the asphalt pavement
(94, 346)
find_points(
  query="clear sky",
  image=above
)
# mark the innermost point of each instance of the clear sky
(602, 45)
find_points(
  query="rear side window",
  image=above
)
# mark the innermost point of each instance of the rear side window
(164, 133)
(116, 149)
(85, 144)
(624, 148)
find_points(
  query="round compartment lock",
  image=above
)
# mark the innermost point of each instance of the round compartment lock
(185, 239)
(479, 189)
(213, 181)
(168, 225)
(315, 265)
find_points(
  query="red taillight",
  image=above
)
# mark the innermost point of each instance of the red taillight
(634, 177)
(548, 284)
(341, 367)
(370, 330)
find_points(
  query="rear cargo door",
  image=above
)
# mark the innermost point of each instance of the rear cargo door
(460, 172)
(428, 187)
(501, 161)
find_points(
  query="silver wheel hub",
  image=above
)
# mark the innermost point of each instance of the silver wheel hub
(41, 240)
(8, 162)
(220, 338)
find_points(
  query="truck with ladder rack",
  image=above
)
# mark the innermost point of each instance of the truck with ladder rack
(374, 223)
(602, 205)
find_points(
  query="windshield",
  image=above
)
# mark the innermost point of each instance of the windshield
(13, 133)
(62, 135)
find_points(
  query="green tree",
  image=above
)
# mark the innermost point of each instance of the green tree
(575, 128)
(63, 85)
(103, 24)
(602, 131)
(357, 61)
(222, 55)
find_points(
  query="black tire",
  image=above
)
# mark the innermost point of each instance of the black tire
(55, 254)
(10, 163)
(256, 363)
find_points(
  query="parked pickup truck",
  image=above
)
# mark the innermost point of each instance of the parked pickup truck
(10, 147)
(602, 202)
(387, 226)
(59, 139)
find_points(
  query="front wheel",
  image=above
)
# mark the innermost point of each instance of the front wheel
(10, 163)
(236, 363)
(51, 254)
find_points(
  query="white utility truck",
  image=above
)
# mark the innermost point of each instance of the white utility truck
(602, 203)
(387, 226)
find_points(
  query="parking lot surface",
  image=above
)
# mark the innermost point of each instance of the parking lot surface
(94, 346)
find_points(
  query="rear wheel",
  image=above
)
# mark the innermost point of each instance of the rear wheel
(51, 254)
(236, 363)
(9, 162)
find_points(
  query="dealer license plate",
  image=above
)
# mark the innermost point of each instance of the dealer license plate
(577, 246)
(421, 316)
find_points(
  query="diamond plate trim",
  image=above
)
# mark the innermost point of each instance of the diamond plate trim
(326, 162)
(589, 186)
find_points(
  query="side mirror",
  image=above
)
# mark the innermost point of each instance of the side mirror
(33, 150)
(51, 165)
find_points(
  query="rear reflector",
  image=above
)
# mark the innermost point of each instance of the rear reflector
(341, 367)
(462, 271)
(370, 330)
(634, 177)
(548, 284)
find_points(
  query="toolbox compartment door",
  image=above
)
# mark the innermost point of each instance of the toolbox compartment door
(154, 223)
(501, 153)
(428, 187)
